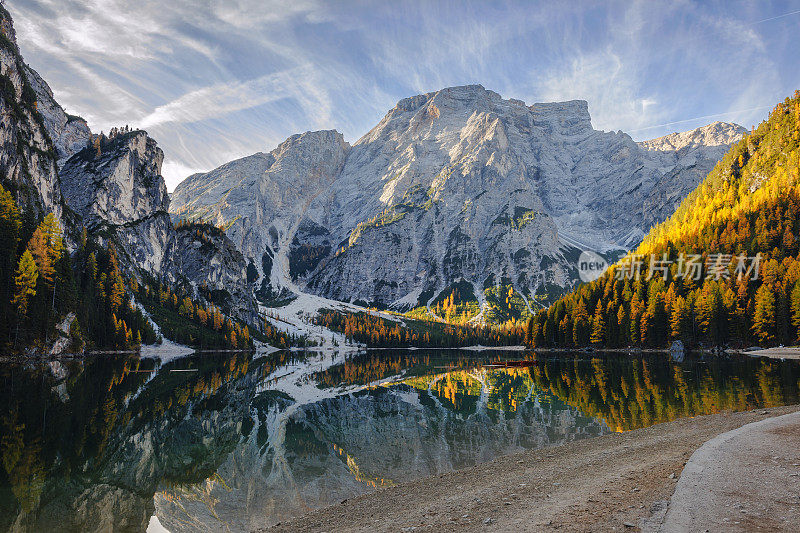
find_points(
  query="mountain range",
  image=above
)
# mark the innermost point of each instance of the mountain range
(458, 190)
(458, 187)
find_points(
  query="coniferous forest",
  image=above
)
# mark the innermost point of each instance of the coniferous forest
(374, 330)
(723, 270)
(42, 287)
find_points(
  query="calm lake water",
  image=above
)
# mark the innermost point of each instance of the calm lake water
(233, 442)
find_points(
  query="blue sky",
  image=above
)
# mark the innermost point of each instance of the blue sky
(212, 80)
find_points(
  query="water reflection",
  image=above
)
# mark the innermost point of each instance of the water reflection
(233, 442)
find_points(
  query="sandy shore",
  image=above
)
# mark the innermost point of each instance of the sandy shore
(786, 352)
(616, 482)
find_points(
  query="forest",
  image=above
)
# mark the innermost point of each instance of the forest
(739, 228)
(377, 331)
(42, 286)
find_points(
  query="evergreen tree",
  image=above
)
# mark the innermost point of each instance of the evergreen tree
(679, 321)
(764, 317)
(795, 299)
(598, 326)
(581, 324)
(10, 225)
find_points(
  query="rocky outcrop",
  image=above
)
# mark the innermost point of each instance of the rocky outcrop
(70, 134)
(125, 184)
(459, 184)
(206, 258)
(116, 188)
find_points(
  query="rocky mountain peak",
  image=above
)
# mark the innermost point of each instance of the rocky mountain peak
(714, 134)
(566, 118)
(457, 185)
(461, 93)
(316, 151)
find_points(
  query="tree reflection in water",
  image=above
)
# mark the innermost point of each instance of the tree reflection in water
(105, 443)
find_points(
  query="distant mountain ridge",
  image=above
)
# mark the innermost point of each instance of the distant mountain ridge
(455, 186)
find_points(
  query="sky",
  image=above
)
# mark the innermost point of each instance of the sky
(214, 80)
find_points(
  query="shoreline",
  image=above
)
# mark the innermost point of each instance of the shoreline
(615, 482)
(147, 352)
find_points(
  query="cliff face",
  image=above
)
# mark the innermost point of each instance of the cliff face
(263, 199)
(27, 153)
(112, 186)
(459, 184)
(686, 159)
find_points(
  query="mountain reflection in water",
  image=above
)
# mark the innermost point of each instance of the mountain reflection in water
(241, 442)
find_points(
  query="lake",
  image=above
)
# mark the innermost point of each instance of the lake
(233, 442)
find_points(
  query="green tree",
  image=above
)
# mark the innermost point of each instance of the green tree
(679, 321)
(10, 224)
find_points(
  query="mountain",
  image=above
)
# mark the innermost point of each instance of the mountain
(458, 188)
(739, 226)
(111, 187)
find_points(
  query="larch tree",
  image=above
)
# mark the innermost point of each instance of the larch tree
(24, 283)
(598, 326)
(46, 245)
(764, 316)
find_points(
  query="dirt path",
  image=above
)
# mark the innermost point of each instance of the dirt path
(611, 483)
(747, 479)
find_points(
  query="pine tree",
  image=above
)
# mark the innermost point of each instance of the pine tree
(764, 316)
(679, 321)
(10, 224)
(580, 331)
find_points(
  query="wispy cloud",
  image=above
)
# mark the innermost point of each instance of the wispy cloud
(217, 79)
(221, 99)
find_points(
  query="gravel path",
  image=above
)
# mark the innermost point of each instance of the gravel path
(747, 479)
(619, 482)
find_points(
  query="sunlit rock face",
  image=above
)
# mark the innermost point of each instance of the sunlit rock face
(263, 199)
(27, 153)
(118, 183)
(451, 185)
(112, 187)
(116, 188)
(685, 158)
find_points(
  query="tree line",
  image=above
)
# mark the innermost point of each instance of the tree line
(377, 331)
